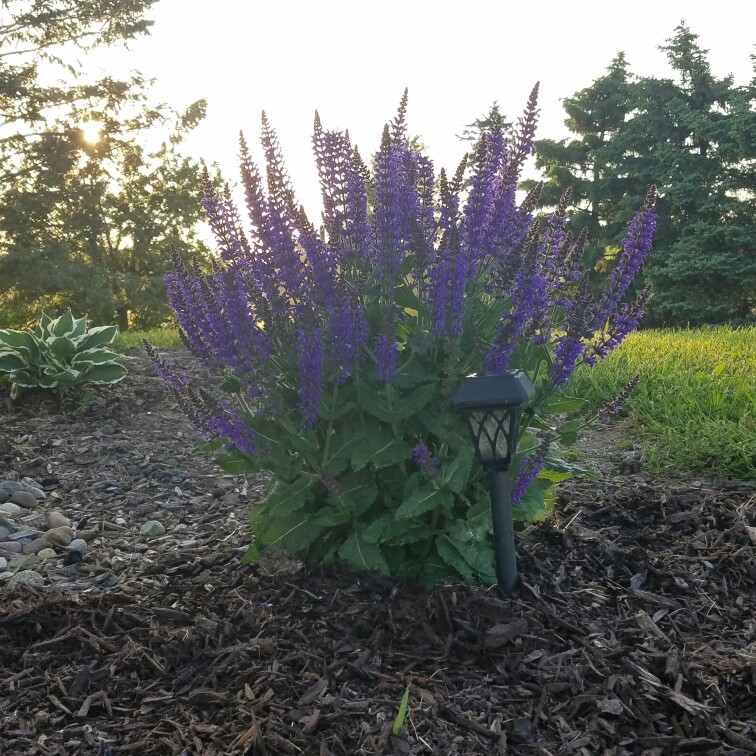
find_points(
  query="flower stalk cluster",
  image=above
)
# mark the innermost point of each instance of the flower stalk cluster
(341, 344)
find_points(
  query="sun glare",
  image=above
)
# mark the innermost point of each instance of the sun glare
(91, 130)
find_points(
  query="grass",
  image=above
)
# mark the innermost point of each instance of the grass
(163, 338)
(695, 407)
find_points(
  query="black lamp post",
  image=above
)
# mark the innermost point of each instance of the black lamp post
(492, 406)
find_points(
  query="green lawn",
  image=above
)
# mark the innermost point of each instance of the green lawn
(163, 338)
(695, 407)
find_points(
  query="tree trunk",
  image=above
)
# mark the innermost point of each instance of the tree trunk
(123, 319)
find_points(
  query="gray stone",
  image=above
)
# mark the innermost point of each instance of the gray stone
(35, 546)
(25, 533)
(12, 486)
(9, 508)
(47, 554)
(3, 564)
(9, 548)
(78, 544)
(37, 493)
(5, 523)
(57, 519)
(61, 536)
(152, 528)
(4, 532)
(23, 562)
(4, 495)
(26, 577)
(24, 499)
(31, 483)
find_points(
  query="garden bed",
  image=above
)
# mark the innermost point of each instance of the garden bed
(633, 632)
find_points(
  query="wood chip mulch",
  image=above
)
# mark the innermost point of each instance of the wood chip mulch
(634, 631)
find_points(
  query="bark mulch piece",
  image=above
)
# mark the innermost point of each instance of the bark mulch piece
(634, 631)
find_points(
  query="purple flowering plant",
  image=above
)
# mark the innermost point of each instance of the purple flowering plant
(339, 345)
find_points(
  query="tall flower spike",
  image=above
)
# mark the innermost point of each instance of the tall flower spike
(522, 143)
(398, 125)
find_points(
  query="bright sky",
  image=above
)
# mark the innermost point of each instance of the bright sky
(351, 60)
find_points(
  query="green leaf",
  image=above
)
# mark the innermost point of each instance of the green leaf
(450, 554)
(106, 373)
(305, 441)
(473, 557)
(79, 327)
(402, 713)
(564, 404)
(330, 517)
(25, 339)
(532, 506)
(357, 494)
(423, 500)
(11, 360)
(96, 357)
(230, 384)
(455, 473)
(62, 326)
(24, 378)
(413, 375)
(252, 554)
(343, 442)
(286, 498)
(97, 337)
(235, 462)
(292, 533)
(62, 347)
(446, 426)
(380, 449)
(568, 432)
(379, 402)
(68, 377)
(361, 555)
(42, 329)
(554, 476)
(406, 298)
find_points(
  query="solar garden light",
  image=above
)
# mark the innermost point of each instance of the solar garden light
(492, 406)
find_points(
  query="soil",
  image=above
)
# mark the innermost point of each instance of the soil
(633, 632)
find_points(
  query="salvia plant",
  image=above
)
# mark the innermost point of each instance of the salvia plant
(60, 354)
(339, 346)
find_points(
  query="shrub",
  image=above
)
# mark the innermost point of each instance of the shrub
(340, 346)
(59, 354)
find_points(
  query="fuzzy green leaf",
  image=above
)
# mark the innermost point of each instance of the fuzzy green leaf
(424, 500)
(361, 555)
(455, 473)
(380, 449)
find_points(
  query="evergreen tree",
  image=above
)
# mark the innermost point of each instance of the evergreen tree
(694, 136)
(593, 163)
(699, 132)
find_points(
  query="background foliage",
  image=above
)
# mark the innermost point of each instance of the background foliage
(694, 135)
(87, 225)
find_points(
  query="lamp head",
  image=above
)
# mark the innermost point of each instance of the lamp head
(492, 407)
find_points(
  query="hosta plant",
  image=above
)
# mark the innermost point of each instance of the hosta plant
(339, 347)
(60, 354)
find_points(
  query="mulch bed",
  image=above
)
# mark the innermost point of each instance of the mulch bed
(634, 631)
